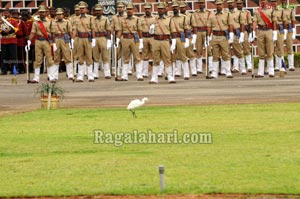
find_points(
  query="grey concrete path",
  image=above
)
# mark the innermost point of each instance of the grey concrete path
(197, 90)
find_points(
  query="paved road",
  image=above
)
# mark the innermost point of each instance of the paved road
(108, 93)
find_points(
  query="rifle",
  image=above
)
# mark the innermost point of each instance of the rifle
(252, 57)
(27, 65)
(206, 54)
(72, 59)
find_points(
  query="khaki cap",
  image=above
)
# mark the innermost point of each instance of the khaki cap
(201, 1)
(59, 11)
(230, 1)
(147, 5)
(42, 8)
(130, 5)
(76, 7)
(175, 3)
(161, 5)
(182, 4)
(98, 7)
(83, 4)
(219, 2)
(120, 5)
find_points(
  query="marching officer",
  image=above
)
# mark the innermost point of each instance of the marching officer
(84, 28)
(9, 43)
(22, 35)
(248, 29)
(220, 25)
(199, 23)
(63, 32)
(74, 48)
(239, 21)
(266, 36)
(289, 26)
(161, 44)
(42, 31)
(115, 27)
(182, 41)
(190, 50)
(146, 21)
(103, 42)
(279, 48)
(131, 31)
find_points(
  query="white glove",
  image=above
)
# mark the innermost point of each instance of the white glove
(194, 38)
(117, 43)
(93, 43)
(187, 43)
(207, 41)
(141, 45)
(28, 44)
(230, 37)
(274, 35)
(54, 47)
(294, 33)
(242, 38)
(108, 44)
(151, 29)
(250, 36)
(173, 45)
(285, 31)
(72, 44)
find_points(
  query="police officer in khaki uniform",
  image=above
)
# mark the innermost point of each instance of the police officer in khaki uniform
(199, 23)
(84, 28)
(279, 44)
(146, 21)
(190, 50)
(220, 25)
(266, 36)
(290, 30)
(63, 32)
(248, 29)
(132, 42)
(74, 48)
(182, 41)
(41, 32)
(161, 44)
(239, 21)
(115, 27)
(103, 42)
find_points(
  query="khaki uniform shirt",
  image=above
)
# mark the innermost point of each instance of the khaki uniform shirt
(116, 21)
(62, 27)
(146, 22)
(200, 18)
(268, 12)
(84, 24)
(289, 15)
(279, 15)
(239, 18)
(102, 24)
(180, 23)
(188, 19)
(130, 25)
(48, 26)
(163, 26)
(220, 21)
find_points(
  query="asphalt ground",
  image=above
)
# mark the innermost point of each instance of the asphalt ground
(196, 91)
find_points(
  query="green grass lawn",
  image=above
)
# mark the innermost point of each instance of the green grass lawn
(255, 149)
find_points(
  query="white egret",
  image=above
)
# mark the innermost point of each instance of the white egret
(135, 104)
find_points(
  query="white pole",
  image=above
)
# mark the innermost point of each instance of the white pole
(161, 170)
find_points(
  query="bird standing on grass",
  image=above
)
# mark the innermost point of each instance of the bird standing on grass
(135, 104)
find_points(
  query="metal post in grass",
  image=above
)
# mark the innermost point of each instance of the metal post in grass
(161, 170)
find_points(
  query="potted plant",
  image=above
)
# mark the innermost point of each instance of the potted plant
(50, 94)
